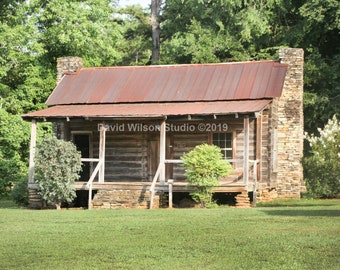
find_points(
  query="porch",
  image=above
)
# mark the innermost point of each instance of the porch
(242, 180)
(117, 195)
(136, 194)
(147, 193)
(163, 172)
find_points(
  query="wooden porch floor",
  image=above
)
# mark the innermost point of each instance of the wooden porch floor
(178, 186)
(232, 183)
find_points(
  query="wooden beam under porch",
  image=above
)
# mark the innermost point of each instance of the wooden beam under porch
(178, 186)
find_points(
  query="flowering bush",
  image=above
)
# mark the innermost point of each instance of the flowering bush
(322, 166)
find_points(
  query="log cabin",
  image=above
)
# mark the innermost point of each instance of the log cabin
(132, 125)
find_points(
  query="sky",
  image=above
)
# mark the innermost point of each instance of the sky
(143, 3)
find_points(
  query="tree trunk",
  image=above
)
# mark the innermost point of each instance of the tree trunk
(155, 10)
(58, 206)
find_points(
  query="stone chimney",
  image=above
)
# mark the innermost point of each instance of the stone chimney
(68, 64)
(65, 65)
(289, 132)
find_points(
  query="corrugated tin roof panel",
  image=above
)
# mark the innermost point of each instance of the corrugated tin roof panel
(173, 83)
(150, 109)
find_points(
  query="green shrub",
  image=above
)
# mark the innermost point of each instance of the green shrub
(322, 166)
(19, 193)
(57, 166)
(204, 166)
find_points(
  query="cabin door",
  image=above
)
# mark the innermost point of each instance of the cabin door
(153, 157)
(82, 142)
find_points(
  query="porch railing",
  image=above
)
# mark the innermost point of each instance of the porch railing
(253, 164)
(93, 176)
(157, 176)
(161, 166)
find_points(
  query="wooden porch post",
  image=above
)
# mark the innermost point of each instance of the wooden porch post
(102, 142)
(246, 151)
(170, 182)
(259, 143)
(258, 163)
(162, 151)
(33, 143)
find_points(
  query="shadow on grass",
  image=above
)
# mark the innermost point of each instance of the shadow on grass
(302, 207)
(303, 212)
(300, 203)
(293, 205)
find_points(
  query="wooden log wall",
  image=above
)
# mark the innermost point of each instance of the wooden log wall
(126, 157)
(128, 153)
(183, 143)
(266, 150)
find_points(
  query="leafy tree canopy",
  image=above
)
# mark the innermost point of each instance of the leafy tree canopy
(82, 28)
(136, 44)
(14, 134)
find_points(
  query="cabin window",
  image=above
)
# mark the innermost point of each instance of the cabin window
(225, 142)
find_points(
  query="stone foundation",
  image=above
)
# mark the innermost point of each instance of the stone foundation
(266, 195)
(122, 199)
(34, 199)
(242, 200)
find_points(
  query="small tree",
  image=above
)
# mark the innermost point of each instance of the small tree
(322, 166)
(204, 166)
(57, 166)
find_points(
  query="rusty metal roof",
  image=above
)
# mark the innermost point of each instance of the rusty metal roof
(132, 110)
(171, 83)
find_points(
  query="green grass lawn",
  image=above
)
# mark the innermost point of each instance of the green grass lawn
(281, 235)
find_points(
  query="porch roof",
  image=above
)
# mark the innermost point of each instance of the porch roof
(151, 110)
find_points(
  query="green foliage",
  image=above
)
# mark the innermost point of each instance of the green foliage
(322, 89)
(57, 166)
(321, 25)
(82, 28)
(14, 145)
(220, 31)
(19, 193)
(204, 166)
(322, 167)
(136, 44)
(24, 82)
(14, 140)
(200, 32)
(320, 37)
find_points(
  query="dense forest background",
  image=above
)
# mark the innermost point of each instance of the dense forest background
(33, 33)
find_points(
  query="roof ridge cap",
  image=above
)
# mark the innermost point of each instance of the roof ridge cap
(184, 65)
